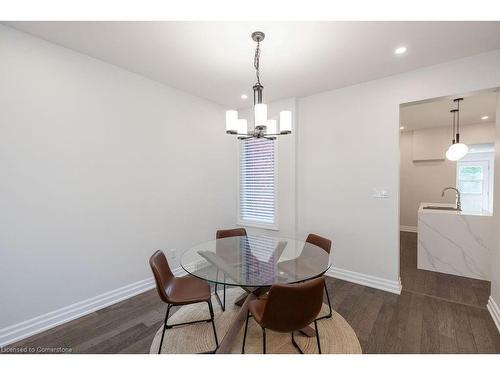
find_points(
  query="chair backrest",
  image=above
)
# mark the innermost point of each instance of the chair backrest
(227, 250)
(291, 307)
(223, 233)
(322, 242)
(162, 273)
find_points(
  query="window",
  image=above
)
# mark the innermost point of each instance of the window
(475, 181)
(257, 183)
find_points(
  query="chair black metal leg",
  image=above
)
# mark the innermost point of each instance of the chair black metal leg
(245, 334)
(167, 326)
(296, 345)
(329, 315)
(317, 335)
(329, 302)
(164, 328)
(263, 341)
(210, 307)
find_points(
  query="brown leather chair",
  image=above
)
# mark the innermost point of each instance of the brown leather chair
(177, 291)
(326, 245)
(224, 233)
(288, 308)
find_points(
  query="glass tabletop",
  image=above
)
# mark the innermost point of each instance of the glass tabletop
(255, 261)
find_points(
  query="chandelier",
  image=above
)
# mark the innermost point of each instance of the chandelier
(262, 126)
(457, 150)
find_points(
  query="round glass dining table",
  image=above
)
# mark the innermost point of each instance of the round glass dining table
(254, 263)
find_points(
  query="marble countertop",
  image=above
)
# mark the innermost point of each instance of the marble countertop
(446, 212)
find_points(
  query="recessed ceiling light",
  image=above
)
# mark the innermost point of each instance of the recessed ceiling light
(244, 96)
(401, 128)
(484, 118)
(400, 50)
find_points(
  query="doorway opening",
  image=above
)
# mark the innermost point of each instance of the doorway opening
(446, 206)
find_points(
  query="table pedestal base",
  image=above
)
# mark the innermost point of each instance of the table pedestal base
(257, 292)
(227, 342)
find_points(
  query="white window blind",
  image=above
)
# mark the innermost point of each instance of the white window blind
(257, 194)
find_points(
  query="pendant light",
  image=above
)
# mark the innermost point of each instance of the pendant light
(262, 127)
(457, 150)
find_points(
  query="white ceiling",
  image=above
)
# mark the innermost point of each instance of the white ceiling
(435, 113)
(214, 60)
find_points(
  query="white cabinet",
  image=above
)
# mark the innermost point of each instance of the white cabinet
(432, 143)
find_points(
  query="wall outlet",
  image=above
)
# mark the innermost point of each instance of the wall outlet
(380, 193)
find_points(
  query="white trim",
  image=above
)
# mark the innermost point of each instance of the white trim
(256, 224)
(367, 280)
(179, 271)
(494, 311)
(30, 327)
(408, 228)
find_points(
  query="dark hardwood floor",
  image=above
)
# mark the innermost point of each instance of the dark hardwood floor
(435, 313)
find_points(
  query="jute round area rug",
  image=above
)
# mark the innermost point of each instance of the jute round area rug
(336, 335)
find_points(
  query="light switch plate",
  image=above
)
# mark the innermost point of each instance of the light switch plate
(380, 193)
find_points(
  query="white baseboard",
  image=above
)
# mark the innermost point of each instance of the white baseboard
(30, 327)
(408, 228)
(494, 311)
(366, 280)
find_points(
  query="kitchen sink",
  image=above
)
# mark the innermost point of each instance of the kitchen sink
(441, 208)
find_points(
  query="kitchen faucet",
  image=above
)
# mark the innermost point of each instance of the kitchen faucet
(458, 202)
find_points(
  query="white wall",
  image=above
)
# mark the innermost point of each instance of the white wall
(422, 181)
(348, 144)
(99, 168)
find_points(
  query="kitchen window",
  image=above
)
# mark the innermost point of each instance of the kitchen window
(475, 181)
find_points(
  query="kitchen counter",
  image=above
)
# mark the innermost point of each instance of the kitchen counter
(451, 212)
(454, 242)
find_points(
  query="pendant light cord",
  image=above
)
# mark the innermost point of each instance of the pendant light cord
(453, 130)
(256, 62)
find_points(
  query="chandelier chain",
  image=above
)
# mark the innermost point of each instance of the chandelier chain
(256, 62)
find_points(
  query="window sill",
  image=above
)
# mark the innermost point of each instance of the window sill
(254, 224)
